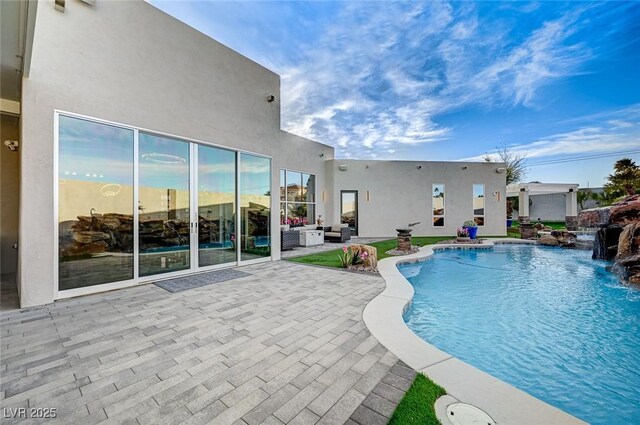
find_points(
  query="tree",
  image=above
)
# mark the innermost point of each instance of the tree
(515, 162)
(583, 196)
(516, 169)
(625, 179)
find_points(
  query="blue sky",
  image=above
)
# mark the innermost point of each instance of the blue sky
(447, 81)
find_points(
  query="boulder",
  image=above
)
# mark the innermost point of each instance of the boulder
(371, 259)
(594, 217)
(625, 213)
(605, 245)
(548, 240)
(629, 241)
(566, 239)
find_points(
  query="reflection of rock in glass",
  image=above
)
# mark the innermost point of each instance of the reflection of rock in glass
(110, 189)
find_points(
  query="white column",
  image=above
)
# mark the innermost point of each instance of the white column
(572, 203)
(523, 201)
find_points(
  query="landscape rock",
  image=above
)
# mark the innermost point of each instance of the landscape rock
(605, 245)
(594, 217)
(371, 260)
(625, 213)
(629, 241)
(548, 240)
(566, 239)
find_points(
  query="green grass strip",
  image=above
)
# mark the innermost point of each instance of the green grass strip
(330, 258)
(417, 405)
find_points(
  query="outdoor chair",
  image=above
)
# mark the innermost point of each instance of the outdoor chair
(337, 233)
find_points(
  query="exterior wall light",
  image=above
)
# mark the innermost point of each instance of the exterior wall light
(500, 170)
(59, 5)
(271, 98)
(342, 167)
(419, 167)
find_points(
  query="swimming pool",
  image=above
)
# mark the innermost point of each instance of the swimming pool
(549, 321)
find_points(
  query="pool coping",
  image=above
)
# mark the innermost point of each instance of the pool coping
(383, 316)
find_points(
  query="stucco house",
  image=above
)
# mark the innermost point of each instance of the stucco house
(148, 150)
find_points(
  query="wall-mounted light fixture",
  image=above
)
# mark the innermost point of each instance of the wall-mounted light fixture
(324, 195)
(59, 5)
(342, 167)
(497, 195)
(500, 170)
(11, 144)
(271, 98)
(321, 155)
(465, 167)
(419, 167)
(368, 196)
(366, 166)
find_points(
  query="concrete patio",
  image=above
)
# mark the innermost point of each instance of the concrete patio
(284, 345)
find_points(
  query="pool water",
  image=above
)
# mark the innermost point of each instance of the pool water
(550, 321)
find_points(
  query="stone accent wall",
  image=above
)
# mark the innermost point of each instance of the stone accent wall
(524, 219)
(404, 242)
(527, 231)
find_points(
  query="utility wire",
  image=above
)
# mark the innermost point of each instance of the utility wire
(582, 158)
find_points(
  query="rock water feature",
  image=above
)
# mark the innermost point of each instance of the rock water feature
(405, 246)
(618, 236)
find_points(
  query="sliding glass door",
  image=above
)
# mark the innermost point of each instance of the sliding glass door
(163, 206)
(255, 207)
(216, 219)
(95, 203)
(135, 206)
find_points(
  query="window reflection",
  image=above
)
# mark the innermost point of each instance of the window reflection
(95, 203)
(255, 210)
(478, 204)
(163, 204)
(298, 197)
(437, 197)
(216, 205)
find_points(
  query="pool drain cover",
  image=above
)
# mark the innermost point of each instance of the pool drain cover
(467, 414)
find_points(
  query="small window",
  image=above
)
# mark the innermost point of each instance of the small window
(478, 204)
(437, 197)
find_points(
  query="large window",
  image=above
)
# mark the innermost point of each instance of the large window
(95, 203)
(478, 204)
(437, 197)
(297, 198)
(255, 206)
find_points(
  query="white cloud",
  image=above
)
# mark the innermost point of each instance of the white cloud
(607, 136)
(380, 77)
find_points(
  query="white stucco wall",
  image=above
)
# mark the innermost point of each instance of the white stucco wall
(400, 193)
(130, 63)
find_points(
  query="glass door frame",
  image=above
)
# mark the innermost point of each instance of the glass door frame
(354, 231)
(193, 213)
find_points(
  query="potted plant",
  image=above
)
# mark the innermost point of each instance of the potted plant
(462, 234)
(471, 227)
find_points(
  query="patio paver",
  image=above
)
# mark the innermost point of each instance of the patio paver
(286, 344)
